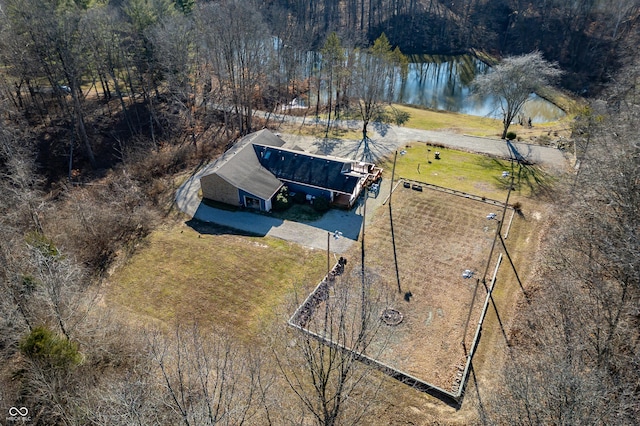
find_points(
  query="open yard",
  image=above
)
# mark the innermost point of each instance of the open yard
(473, 173)
(214, 276)
(476, 174)
(438, 237)
(242, 283)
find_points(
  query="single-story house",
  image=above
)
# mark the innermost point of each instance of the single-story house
(254, 169)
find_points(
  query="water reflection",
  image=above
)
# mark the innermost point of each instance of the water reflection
(443, 83)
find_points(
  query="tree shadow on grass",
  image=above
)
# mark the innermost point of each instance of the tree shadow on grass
(381, 128)
(528, 178)
(326, 146)
(532, 177)
(481, 409)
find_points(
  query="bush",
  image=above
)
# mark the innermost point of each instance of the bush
(45, 345)
(400, 117)
(281, 202)
(321, 204)
(41, 242)
(511, 135)
(300, 198)
(97, 221)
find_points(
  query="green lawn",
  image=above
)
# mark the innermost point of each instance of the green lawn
(427, 119)
(473, 173)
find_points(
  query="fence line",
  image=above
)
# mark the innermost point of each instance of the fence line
(303, 314)
(476, 337)
(299, 320)
(454, 192)
(513, 212)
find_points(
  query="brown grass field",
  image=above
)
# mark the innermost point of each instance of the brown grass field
(438, 236)
(212, 275)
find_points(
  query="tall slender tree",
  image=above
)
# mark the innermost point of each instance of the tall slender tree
(53, 36)
(238, 46)
(371, 86)
(333, 56)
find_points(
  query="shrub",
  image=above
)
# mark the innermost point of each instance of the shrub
(300, 198)
(281, 202)
(321, 204)
(400, 117)
(511, 135)
(45, 345)
(44, 244)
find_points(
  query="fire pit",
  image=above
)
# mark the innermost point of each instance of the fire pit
(392, 316)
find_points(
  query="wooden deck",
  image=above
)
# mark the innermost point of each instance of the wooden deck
(342, 200)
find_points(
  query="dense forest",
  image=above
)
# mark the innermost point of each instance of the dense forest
(580, 35)
(105, 102)
(97, 77)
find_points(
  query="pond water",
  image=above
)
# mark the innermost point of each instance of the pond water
(443, 83)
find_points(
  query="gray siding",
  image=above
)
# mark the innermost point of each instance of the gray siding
(217, 189)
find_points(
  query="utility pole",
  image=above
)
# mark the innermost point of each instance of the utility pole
(493, 245)
(328, 261)
(363, 316)
(393, 235)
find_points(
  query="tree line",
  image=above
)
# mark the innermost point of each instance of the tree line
(582, 36)
(98, 77)
(154, 69)
(574, 351)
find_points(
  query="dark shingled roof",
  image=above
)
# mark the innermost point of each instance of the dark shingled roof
(307, 169)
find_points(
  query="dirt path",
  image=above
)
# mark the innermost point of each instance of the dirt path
(386, 139)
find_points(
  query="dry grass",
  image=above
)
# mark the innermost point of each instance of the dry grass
(438, 236)
(239, 282)
(218, 278)
(318, 130)
(427, 119)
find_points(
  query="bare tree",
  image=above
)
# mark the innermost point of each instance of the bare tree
(238, 46)
(333, 56)
(321, 365)
(371, 87)
(53, 38)
(105, 38)
(576, 352)
(208, 378)
(178, 58)
(512, 82)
